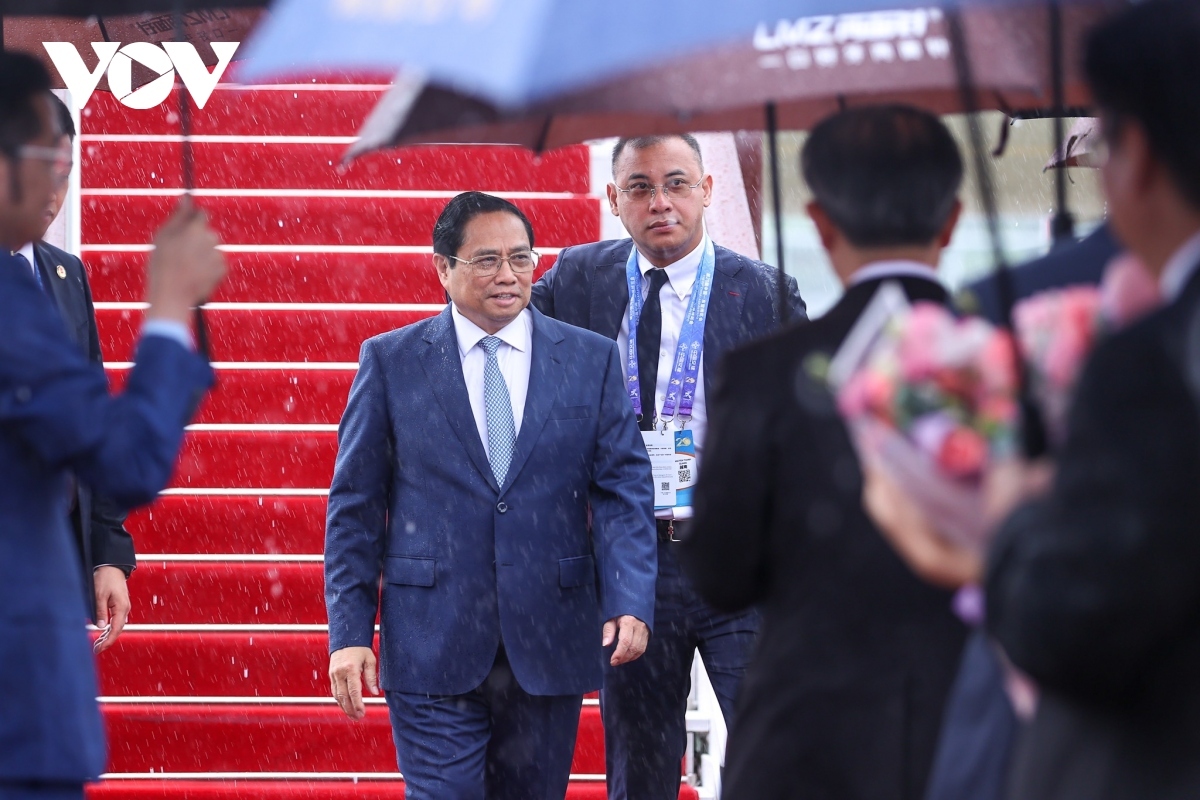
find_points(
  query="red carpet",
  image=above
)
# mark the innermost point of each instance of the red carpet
(218, 689)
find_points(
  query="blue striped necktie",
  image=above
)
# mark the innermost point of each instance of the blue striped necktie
(497, 405)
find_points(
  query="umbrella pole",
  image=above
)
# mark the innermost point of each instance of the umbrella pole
(777, 204)
(1062, 227)
(1033, 429)
(185, 126)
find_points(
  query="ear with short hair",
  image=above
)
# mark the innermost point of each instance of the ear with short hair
(947, 232)
(613, 194)
(827, 232)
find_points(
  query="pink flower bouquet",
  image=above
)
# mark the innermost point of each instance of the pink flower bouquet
(931, 402)
(1058, 329)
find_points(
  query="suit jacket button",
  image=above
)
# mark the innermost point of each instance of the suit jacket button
(502, 506)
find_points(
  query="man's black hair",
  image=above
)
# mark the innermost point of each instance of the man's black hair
(65, 121)
(886, 175)
(1143, 64)
(451, 226)
(642, 142)
(22, 79)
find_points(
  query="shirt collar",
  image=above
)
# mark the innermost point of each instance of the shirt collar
(516, 333)
(681, 274)
(1180, 268)
(27, 251)
(897, 268)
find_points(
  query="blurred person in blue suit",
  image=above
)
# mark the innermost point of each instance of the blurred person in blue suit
(57, 420)
(491, 476)
(105, 547)
(1079, 263)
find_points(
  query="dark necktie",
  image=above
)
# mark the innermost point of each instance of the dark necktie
(37, 273)
(649, 339)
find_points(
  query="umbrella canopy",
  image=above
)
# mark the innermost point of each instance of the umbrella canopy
(807, 68)
(1080, 147)
(512, 53)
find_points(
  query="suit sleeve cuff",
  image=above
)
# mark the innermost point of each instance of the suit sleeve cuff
(170, 329)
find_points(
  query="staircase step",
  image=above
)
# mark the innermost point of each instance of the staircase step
(315, 166)
(276, 738)
(295, 790)
(274, 335)
(256, 460)
(252, 525)
(321, 110)
(257, 664)
(341, 221)
(268, 664)
(119, 276)
(216, 789)
(269, 396)
(228, 593)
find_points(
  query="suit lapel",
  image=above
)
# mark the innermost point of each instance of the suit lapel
(443, 367)
(610, 298)
(59, 289)
(546, 374)
(723, 324)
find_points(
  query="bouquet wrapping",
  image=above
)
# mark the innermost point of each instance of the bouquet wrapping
(931, 401)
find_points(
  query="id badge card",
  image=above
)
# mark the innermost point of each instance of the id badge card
(660, 446)
(673, 465)
(685, 467)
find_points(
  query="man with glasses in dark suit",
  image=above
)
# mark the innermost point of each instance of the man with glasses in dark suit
(675, 302)
(105, 547)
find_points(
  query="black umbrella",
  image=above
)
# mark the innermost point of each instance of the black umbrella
(790, 75)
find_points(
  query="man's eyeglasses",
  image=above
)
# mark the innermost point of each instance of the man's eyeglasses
(676, 189)
(484, 266)
(60, 157)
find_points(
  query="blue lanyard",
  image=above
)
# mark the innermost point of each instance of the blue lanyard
(681, 390)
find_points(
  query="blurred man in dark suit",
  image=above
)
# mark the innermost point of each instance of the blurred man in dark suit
(105, 547)
(1071, 264)
(845, 695)
(1092, 586)
(58, 420)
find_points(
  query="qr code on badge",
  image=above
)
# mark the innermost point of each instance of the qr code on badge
(685, 476)
(665, 486)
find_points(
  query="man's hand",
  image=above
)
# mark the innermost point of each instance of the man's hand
(348, 668)
(1011, 482)
(914, 537)
(112, 605)
(185, 266)
(632, 636)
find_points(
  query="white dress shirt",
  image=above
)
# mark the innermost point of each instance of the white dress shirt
(897, 268)
(1179, 269)
(514, 359)
(674, 297)
(28, 252)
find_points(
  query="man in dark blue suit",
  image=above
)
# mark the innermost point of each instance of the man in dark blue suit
(660, 191)
(57, 419)
(105, 547)
(490, 472)
(1072, 264)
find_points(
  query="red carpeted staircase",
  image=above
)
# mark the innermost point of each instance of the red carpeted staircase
(218, 687)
